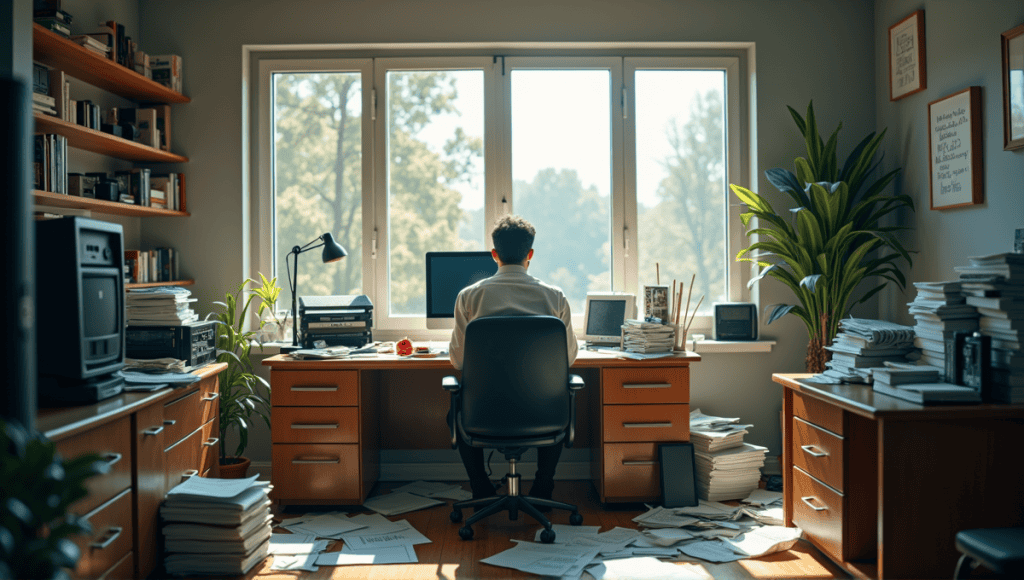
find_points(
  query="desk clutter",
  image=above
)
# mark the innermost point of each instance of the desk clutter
(335, 321)
(726, 467)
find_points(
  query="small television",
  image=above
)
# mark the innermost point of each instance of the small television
(605, 313)
(79, 309)
(447, 274)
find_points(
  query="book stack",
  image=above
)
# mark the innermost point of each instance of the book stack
(647, 337)
(327, 321)
(147, 266)
(160, 306)
(216, 526)
(53, 19)
(49, 163)
(862, 344)
(920, 385)
(92, 44)
(941, 311)
(994, 285)
(727, 468)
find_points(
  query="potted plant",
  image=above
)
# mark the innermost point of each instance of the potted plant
(39, 486)
(832, 240)
(241, 395)
(272, 327)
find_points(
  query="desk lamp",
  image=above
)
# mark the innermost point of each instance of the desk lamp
(332, 253)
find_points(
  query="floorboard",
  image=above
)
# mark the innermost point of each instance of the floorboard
(450, 558)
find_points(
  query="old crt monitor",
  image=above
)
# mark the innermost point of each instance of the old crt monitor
(605, 313)
(80, 309)
(447, 274)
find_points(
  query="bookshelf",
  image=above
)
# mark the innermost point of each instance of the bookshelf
(51, 199)
(87, 139)
(156, 284)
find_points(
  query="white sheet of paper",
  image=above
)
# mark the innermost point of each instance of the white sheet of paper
(668, 536)
(392, 504)
(424, 487)
(763, 497)
(405, 535)
(708, 509)
(765, 540)
(295, 562)
(659, 517)
(296, 544)
(564, 533)
(542, 559)
(642, 568)
(327, 526)
(213, 487)
(400, 554)
(455, 492)
(711, 550)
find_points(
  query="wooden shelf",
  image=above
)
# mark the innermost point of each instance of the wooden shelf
(102, 206)
(87, 139)
(61, 53)
(155, 284)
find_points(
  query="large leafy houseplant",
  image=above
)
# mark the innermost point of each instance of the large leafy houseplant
(37, 486)
(241, 396)
(834, 238)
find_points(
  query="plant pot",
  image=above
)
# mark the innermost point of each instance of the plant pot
(234, 467)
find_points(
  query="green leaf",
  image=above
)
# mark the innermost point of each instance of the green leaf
(777, 311)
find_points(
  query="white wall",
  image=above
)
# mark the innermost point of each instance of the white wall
(962, 47)
(804, 50)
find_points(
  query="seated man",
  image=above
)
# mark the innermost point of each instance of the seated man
(509, 292)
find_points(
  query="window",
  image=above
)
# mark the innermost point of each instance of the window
(622, 164)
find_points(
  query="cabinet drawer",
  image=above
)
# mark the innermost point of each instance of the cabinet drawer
(818, 511)
(113, 442)
(123, 570)
(818, 412)
(627, 386)
(185, 414)
(646, 423)
(631, 472)
(192, 455)
(315, 425)
(320, 472)
(314, 388)
(110, 540)
(818, 452)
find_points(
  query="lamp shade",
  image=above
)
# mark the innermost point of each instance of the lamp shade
(332, 249)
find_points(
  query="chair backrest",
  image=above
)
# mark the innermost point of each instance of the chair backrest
(515, 377)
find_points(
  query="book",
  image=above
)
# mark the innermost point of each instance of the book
(55, 25)
(167, 70)
(1001, 323)
(925, 393)
(90, 42)
(41, 99)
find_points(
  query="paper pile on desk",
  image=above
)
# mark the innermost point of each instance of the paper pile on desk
(159, 306)
(216, 526)
(863, 343)
(940, 309)
(647, 337)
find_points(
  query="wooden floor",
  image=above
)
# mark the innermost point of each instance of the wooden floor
(451, 558)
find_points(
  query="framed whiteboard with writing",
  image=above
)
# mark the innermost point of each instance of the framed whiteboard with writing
(906, 57)
(955, 155)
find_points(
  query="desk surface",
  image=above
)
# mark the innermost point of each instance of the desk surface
(585, 359)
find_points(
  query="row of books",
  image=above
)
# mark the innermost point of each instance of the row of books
(49, 163)
(157, 265)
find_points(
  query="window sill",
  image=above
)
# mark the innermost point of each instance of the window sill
(733, 346)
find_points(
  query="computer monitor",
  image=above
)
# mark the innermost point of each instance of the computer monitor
(447, 274)
(605, 313)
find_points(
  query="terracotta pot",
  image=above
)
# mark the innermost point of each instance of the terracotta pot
(234, 468)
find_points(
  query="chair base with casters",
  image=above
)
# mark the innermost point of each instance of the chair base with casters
(1001, 550)
(512, 503)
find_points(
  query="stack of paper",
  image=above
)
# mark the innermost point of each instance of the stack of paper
(862, 344)
(920, 385)
(368, 539)
(727, 468)
(647, 337)
(995, 286)
(941, 311)
(216, 526)
(709, 433)
(159, 306)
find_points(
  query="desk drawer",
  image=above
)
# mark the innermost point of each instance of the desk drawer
(318, 472)
(818, 412)
(627, 386)
(192, 455)
(315, 425)
(631, 471)
(314, 388)
(113, 442)
(110, 540)
(646, 423)
(818, 452)
(185, 414)
(122, 570)
(818, 511)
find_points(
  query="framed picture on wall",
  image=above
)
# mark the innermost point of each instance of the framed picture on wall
(1013, 88)
(906, 57)
(954, 145)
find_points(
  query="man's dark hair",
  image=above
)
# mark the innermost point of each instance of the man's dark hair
(513, 239)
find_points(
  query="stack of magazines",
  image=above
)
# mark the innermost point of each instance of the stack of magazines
(941, 311)
(862, 344)
(216, 526)
(921, 384)
(727, 468)
(647, 337)
(159, 306)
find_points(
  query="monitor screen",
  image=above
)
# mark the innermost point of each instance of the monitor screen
(447, 274)
(605, 314)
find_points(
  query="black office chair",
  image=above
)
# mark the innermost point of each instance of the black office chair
(516, 393)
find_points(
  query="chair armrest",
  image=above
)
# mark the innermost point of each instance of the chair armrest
(450, 384)
(576, 382)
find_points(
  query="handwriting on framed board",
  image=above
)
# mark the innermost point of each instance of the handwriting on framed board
(955, 149)
(906, 56)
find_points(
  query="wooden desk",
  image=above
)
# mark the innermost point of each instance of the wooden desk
(327, 416)
(882, 485)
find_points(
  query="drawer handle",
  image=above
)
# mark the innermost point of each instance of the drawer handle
(315, 461)
(154, 430)
(638, 462)
(810, 450)
(114, 533)
(113, 458)
(211, 397)
(314, 425)
(807, 500)
(211, 441)
(314, 389)
(189, 473)
(170, 422)
(647, 385)
(646, 425)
